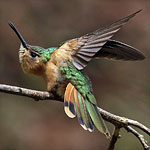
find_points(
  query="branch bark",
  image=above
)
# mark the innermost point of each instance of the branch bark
(139, 136)
(114, 138)
(118, 121)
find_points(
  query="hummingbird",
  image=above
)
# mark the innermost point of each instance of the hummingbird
(62, 69)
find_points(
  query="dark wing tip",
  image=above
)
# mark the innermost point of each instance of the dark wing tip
(125, 19)
(119, 51)
(92, 42)
(138, 11)
(133, 14)
(141, 56)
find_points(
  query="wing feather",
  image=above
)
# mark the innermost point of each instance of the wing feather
(119, 51)
(98, 40)
(83, 57)
(93, 42)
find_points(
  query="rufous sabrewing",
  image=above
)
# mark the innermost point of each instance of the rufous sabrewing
(62, 68)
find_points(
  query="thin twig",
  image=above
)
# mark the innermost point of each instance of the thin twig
(118, 120)
(138, 125)
(139, 136)
(114, 138)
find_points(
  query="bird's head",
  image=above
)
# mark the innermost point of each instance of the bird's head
(32, 58)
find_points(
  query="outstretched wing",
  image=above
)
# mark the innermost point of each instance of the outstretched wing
(119, 51)
(88, 45)
(86, 112)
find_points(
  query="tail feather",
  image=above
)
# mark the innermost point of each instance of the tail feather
(78, 112)
(85, 110)
(96, 118)
(69, 102)
(83, 118)
(84, 113)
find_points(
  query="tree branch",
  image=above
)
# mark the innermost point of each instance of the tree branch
(114, 138)
(36, 95)
(139, 136)
(117, 121)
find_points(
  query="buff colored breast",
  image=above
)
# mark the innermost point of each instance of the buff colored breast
(58, 59)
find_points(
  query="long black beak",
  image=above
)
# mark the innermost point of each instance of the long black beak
(18, 34)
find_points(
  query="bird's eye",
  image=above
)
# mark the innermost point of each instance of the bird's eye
(34, 55)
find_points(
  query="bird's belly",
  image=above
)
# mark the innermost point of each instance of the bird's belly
(60, 87)
(56, 82)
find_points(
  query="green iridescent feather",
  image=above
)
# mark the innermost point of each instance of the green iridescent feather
(44, 53)
(83, 86)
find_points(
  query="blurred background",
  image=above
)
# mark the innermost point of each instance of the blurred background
(122, 88)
